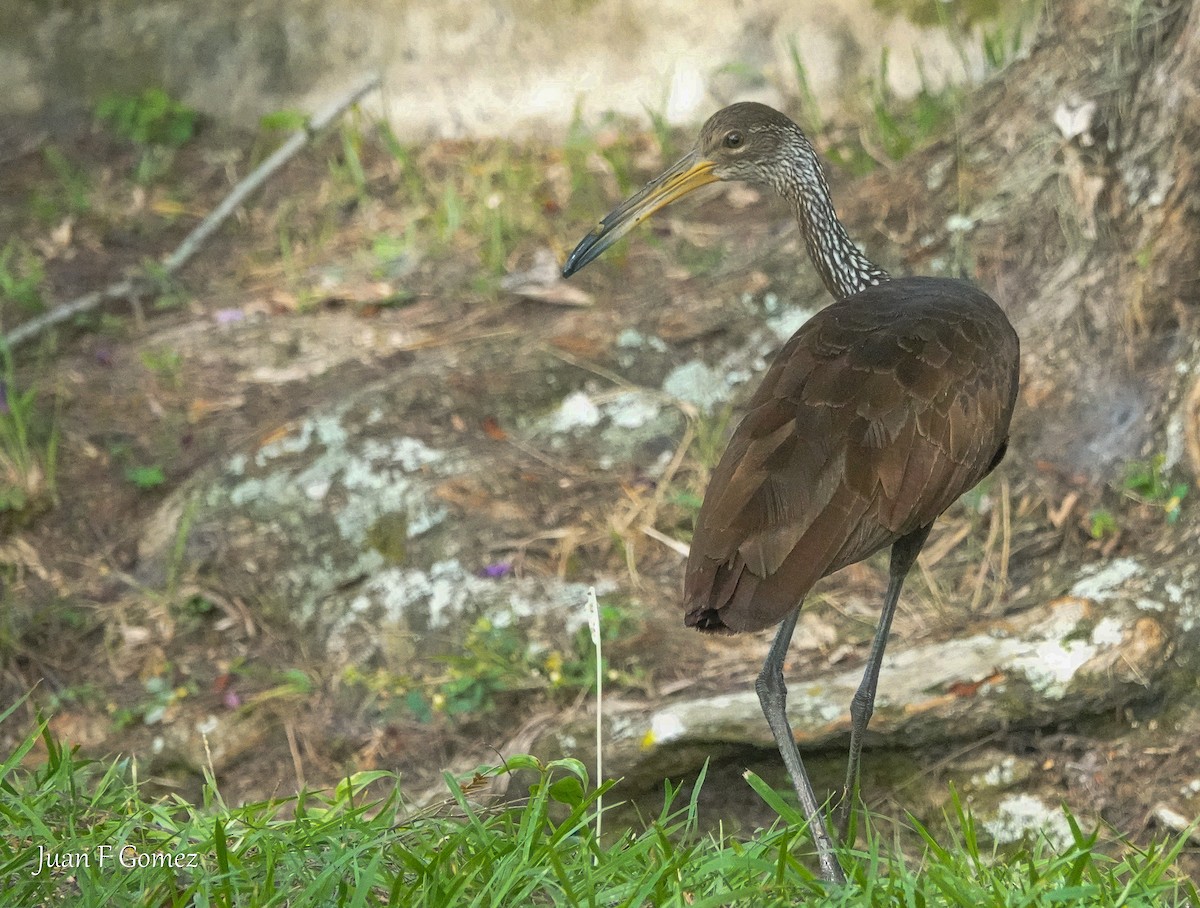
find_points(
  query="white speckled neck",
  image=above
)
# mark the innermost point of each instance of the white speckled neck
(843, 267)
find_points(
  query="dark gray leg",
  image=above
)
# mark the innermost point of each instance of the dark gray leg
(772, 694)
(904, 553)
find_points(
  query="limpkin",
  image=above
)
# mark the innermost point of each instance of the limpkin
(878, 413)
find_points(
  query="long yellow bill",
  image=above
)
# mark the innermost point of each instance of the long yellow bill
(690, 173)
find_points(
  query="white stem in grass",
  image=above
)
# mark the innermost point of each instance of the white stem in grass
(593, 616)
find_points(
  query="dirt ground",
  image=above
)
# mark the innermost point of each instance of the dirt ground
(125, 401)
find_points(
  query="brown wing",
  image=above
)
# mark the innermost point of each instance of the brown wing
(876, 415)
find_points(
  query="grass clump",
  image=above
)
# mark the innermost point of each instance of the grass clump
(155, 122)
(1149, 483)
(22, 276)
(1152, 488)
(494, 667)
(83, 833)
(28, 450)
(150, 118)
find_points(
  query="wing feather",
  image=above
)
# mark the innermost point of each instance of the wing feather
(876, 415)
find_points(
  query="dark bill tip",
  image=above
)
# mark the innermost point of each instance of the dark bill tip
(689, 173)
(590, 248)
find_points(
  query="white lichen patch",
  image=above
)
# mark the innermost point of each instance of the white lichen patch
(664, 728)
(1001, 775)
(325, 429)
(1184, 594)
(1108, 632)
(1176, 446)
(445, 593)
(631, 339)
(1104, 582)
(443, 590)
(616, 426)
(410, 454)
(632, 411)
(1022, 815)
(697, 383)
(959, 223)
(1051, 665)
(660, 464)
(577, 411)
(318, 489)
(789, 321)
(372, 486)
(208, 725)
(620, 726)
(814, 702)
(320, 474)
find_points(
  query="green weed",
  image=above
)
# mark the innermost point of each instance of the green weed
(161, 697)
(899, 128)
(21, 277)
(146, 477)
(346, 167)
(811, 120)
(492, 664)
(1147, 483)
(491, 198)
(273, 128)
(154, 121)
(891, 128)
(578, 670)
(498, 660)
(70, 194)
(166, 364)
(28, 448)
(1102, 523)
(664, 134)
(700, 261)
(150, 118)
(361, 844)
(1003, 42)
(712, 434)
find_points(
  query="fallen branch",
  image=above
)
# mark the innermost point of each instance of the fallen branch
(194, 240)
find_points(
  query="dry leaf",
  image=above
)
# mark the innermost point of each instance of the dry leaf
(493, 430)
(542, 281)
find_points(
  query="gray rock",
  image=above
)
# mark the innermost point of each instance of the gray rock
(1071, 657)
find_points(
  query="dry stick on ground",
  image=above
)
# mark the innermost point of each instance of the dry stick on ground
(205, 229)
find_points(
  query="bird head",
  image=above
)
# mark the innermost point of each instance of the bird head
(745, 141)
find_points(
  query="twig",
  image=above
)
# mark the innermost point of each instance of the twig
(203, 230)
(289, 729)
(1005, 544)
(593, 616)
(985, 562)
(681, 548)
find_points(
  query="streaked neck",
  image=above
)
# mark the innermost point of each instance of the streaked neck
(843, 267)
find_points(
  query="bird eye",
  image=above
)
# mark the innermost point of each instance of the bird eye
(733, 139)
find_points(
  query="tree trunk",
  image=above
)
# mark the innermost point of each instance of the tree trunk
(1078, 172)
